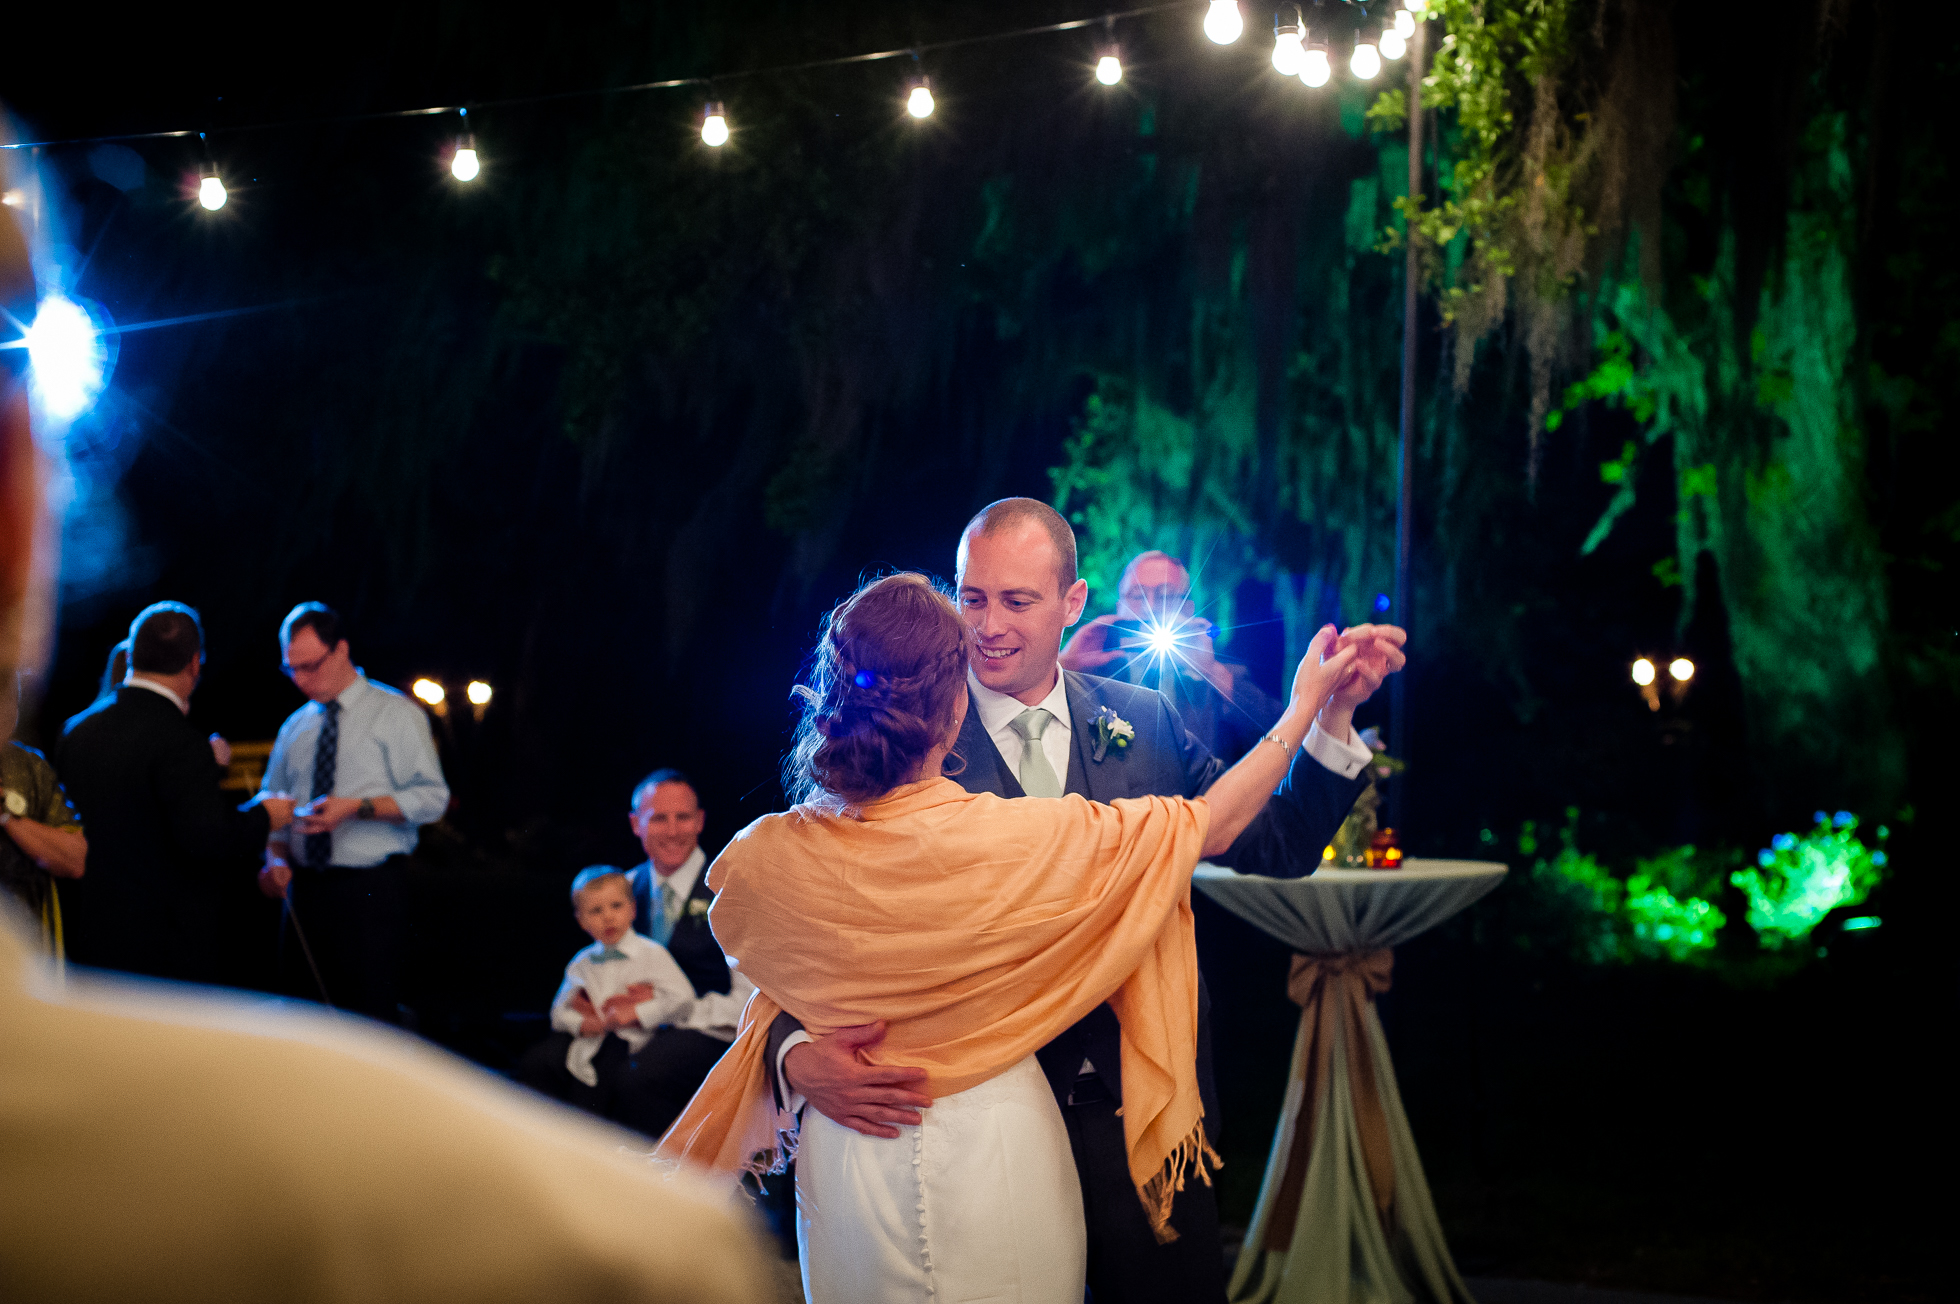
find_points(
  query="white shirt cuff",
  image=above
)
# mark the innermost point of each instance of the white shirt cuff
(792, 1100)
(1346, 757)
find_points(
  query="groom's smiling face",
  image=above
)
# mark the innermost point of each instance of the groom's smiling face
(1011, 593)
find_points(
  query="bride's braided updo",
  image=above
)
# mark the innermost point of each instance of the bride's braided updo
(884, 681)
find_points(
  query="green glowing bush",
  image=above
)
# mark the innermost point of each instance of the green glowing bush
(1667, 913)
(1800, 878)
(1664, 910)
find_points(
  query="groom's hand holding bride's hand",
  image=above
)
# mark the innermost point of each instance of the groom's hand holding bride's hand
(867, 1098)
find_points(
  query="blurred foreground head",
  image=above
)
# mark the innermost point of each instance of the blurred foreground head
(166, 1143)
(23, 603)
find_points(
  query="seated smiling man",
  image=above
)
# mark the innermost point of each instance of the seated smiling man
(671, 896)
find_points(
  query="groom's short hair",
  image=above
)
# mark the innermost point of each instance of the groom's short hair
(1010, 512)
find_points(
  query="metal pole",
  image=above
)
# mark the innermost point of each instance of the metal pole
(1398, 697)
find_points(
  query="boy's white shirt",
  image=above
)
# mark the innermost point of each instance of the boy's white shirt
(646, 962)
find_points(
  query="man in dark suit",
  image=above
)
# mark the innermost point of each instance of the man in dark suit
(1032, 729)
(162, 835)
(671, 898)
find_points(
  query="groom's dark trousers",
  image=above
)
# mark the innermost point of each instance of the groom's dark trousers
(1126, 1264)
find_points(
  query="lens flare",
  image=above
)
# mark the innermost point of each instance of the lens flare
(69, 357)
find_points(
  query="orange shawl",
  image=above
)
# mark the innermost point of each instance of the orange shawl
(981, 928)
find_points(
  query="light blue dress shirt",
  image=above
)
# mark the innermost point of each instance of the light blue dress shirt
(385, 750)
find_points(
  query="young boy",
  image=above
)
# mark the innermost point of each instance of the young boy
(615, 993)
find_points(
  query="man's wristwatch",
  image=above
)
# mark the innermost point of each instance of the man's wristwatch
(366, 811)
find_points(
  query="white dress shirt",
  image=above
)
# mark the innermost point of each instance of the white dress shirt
(647, 962)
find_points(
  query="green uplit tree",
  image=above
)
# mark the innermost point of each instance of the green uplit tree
(1715, 280)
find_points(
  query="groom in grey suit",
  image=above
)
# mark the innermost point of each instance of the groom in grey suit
(1032, 729)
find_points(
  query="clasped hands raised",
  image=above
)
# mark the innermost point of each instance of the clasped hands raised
(1342, 669)
(621, 1011)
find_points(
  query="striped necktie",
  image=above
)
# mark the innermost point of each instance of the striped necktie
(326, 749)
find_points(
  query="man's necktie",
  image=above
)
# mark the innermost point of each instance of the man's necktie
(1037, 775)
(319, 846)
(663, 913)
(610, 953)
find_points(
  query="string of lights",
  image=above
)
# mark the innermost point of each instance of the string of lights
(1297, 51)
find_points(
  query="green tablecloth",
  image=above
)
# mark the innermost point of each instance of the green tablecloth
(1344, 1213)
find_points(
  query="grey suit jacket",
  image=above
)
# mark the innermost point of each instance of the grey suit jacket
(1164, 760)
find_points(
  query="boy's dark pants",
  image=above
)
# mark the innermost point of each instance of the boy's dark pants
(645, 1092)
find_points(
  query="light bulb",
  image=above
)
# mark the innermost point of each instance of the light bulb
(1367, 60)
(919, 102)
(1393, 46)
(428, 690)
(1315, 69)
(1109, 70)
(211, 193)
(1681, 670)
(1288, 56)
(714, 125)
(1643, 672)
(478, 693)
(1405, 24)
(464, 166)
(1223, 23)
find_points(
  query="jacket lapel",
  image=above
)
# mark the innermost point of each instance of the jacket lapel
(1084, 775)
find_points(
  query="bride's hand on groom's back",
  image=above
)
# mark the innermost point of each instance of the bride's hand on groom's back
(868, 1098)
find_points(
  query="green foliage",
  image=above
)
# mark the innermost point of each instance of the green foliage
(1667, 910)
(1664, 910)
(1800, 878)
(1128, 484)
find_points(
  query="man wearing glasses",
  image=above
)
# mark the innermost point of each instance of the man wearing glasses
(360, 760)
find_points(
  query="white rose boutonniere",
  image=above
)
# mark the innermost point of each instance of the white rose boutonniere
(1112, 732)
(16, 802)
(696, 907)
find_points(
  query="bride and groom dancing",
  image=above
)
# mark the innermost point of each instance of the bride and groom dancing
(985, 1006)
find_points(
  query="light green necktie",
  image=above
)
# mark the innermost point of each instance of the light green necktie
(663, 919)
(1037, 775)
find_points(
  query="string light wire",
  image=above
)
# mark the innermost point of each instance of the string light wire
(672, 83)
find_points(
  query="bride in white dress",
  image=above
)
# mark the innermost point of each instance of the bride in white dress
(978, 929)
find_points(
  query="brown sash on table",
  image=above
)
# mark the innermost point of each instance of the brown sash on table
(1327, 988)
